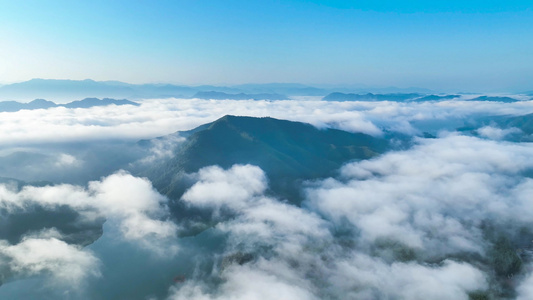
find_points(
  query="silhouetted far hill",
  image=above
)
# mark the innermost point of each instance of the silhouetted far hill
(291, 89)
(241, 96)
(399, 97)
(91, 102)
(287, 151)
(12, 106)
(405, 97)
(525, 123)
(495, 99)
(437, 97)
(63, 90)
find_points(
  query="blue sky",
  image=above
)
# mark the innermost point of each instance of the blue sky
(443, 45)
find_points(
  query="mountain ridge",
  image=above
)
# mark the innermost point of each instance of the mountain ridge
(64, 89)
(285, 150)
(240, 96)
(13, 106)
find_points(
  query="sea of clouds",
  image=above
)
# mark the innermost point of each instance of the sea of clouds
(409, 224)
(159, 117)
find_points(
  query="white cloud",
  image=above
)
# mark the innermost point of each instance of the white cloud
(67, 160)
(232, 188)
(496, 133)
(161, 148)
(430, 200)
(434, 196)
(251, 283)
(525, 289)
(302, 259)
(68, 265)
(127, 202)
(132, 201)
(365, 277)
(157, 117)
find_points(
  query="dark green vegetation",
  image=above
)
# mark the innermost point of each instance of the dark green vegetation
(236, 258)
(17, 222)
(504, 258)
(524, 122)
(479, 296)
(90, 161)
(508, 252)
(288, 152)
(12, 106)
(523, 125)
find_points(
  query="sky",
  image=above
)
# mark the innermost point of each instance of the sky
(442, 45)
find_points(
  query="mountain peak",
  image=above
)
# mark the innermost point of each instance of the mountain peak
(286, 150)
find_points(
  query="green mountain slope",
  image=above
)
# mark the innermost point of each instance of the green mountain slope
(523, 122)
(288, 152)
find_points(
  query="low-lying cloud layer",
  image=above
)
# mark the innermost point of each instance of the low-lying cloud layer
(130, 199)
(287, 252)
(407, 225)
(434, 195)
(67, 265)
(159, 117)
(449, 218)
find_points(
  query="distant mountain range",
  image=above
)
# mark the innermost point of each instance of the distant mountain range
(371, 97)
(437, 97)
(91, 102)
(66, 90)
(11, 106)
(240, 96)
(62, 91)
(403, 97)
(496, 99)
